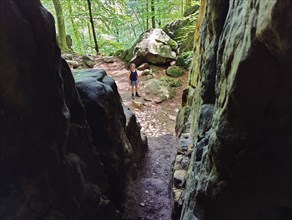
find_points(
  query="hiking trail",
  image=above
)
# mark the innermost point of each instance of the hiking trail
(149, 195)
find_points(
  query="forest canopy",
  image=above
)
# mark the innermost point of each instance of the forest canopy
(106, 26)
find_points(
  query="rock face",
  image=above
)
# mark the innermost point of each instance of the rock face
(54, 164)
(153, 46)
(182, 31)
(237, 109)
(107, 121)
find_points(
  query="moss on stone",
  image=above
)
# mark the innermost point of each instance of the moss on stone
(182, 31)
(185, 59)
(160, 89)
(173, 44)
(171, 82)
(175, 71)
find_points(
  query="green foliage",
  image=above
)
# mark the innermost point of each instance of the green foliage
(186, 33)
(175, 71)
(118, 23)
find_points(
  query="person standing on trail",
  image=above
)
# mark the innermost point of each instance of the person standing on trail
(133, 79)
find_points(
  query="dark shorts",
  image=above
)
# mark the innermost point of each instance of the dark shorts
(134, 83)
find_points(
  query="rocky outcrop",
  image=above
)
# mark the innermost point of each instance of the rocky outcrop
(54, 163)
(153, 46)
(107, 122)
(182, 31)
(237, 110)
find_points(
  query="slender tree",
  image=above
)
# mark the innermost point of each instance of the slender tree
(61, 26)
(92, 26)
(147, 14)
(73, 24)
(153, 13)
(119, 21)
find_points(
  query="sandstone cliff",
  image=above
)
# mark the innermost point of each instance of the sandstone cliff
(237, 111)
(65, 153)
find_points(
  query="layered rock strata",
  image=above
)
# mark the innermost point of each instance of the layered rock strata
(237, 109)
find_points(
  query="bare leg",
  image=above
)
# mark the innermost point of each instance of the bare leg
(132, 89)
(136, 88)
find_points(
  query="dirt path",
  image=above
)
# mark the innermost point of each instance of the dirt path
(149, 195)
(156, 119)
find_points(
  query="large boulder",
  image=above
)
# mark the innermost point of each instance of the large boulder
(160, 89)
(239, 109)
(107, 121)
(88, 61)
(51, 165)
(153, 46)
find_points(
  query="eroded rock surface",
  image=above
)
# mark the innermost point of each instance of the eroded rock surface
(62, 157)
(238, 111)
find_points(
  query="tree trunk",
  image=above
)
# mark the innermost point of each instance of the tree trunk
(153, 13)
(147, 15)
(61, 26)
(92, 26)
(90, 34)
(75, 30)
(182, 7)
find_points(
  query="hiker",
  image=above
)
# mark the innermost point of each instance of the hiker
(133, 79)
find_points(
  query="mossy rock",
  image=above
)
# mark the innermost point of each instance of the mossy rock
(182, 31)
(185, 59)
(173, 44)
(160, 89)
(153, 46)
(175, 71)
(172, 82)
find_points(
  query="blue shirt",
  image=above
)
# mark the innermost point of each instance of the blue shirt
(133, 75)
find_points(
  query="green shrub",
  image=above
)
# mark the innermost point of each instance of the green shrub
(175, 71)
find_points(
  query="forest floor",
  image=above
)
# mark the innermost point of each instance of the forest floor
(149, 195)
